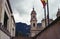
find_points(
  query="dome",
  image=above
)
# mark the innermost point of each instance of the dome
(33, 12)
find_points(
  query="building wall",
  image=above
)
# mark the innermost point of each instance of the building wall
(52, 32)
(3, 35)
(43, 22)
(13, 29)
(35, 32)
(32, 27)
(23, 37)
(5, 7)
(0, 10)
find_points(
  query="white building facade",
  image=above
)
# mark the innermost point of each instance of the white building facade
(7, 22)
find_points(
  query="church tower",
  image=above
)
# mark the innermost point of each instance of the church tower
(33, 22)
(58, 13)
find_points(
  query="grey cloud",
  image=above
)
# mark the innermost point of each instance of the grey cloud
(17, 4)
(53, 7)
(21, 11)
(14, 3)
(23, 7)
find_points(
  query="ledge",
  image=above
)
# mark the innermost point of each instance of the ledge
(4, 30)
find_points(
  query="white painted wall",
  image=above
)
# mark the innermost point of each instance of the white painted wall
(3, 35)
(4, 7)
(12, 27)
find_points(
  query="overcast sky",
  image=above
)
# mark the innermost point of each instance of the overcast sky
(22, 9)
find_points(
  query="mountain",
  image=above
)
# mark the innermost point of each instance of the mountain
(22, 28)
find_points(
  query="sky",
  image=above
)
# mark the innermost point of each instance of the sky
(22, 9)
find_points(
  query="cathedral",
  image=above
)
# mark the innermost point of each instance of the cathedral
(52, 31)
(37, 27)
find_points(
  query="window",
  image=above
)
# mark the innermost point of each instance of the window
(13, 30)
(33, 24)
(5, 20)
(33, 16)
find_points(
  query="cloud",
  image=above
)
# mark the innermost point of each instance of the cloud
(19, 18)
(53, 7)
(22, 9)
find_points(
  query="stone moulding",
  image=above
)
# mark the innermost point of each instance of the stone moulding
(4, 30)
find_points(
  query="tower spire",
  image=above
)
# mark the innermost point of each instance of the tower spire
(33, 22)
(33, 5)
(58, 9)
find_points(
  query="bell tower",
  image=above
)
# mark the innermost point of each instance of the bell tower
(33, 22)
(58, 13)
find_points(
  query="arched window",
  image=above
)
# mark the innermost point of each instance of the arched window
(33, 24)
